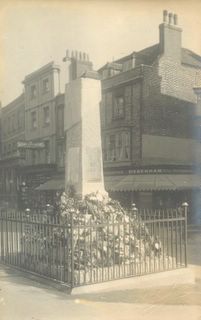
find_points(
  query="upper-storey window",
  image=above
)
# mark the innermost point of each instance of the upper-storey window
(117, 146)
(60, 121)
(46, 87)
(33, 92)
(20, 119)
(118, 108)
(33, 120)
(46, 116)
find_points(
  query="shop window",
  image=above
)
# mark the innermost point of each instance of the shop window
(118, 108)
(46, 116)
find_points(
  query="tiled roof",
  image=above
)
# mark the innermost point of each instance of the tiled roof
(190, 58)
(148, 55)
(145, 56)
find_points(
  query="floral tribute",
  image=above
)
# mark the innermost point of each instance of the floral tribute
(81, 237)
(105, 234)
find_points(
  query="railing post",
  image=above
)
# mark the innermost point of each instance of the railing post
(134, 210)
(72, 250)
(185, 208)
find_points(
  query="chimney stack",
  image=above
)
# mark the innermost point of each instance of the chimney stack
(170, 36)
(165, 14)
(79, 63)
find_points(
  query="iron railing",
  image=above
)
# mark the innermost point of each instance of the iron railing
(78, 251)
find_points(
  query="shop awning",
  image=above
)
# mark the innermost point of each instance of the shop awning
(138, 182)
(152, 182)
(52, 185)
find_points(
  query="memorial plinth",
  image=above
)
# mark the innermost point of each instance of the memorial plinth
(84, 166)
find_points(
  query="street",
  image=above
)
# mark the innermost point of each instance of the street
(25, 299)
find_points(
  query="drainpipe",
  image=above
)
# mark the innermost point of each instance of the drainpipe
(141, 109)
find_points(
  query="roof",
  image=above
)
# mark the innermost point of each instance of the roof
(190, 58)
(148, 55)
(152, 182)
(91, 74)
(19, 101)
(114, 65)
(43, 69)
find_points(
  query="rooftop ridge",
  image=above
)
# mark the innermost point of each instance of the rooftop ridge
(40, 70)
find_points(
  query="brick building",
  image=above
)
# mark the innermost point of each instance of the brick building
(147, 113)
(31, 136)
(12, 131)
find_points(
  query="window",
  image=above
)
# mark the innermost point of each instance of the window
(14, 147)
(118, 109)
(20, 119)
(60, 121)
(9, 148)
(47, 152)
(33, 156)
(33, 120)
(33, 92)
(46, 85)
(46, 116)
(60, 155)
(13, 122)
(9, 125)
(117, 147)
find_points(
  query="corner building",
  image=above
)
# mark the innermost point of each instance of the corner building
(151, 154)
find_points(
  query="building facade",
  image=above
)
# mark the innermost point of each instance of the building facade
(147, 113)
(12, 159)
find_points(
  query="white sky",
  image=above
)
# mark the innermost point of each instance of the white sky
(34, 33)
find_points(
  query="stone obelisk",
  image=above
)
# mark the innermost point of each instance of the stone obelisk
(84, 165)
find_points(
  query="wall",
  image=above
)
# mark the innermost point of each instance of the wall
(178, 80)
(12, 126)
(169, 150)
(43, 131)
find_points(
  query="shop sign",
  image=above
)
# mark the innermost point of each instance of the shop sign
(30, 145)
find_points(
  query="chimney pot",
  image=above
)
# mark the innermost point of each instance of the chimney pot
(165, 14)
(175, 19)
(76, 55)
(72, 54)
(87, 57)
(170, 17)
(84, 56)
(80, 55)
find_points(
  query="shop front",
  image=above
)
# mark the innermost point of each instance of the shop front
(158, 191)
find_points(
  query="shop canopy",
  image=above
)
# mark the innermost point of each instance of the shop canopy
(152, 182)
(138, 182)
(52, 185)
